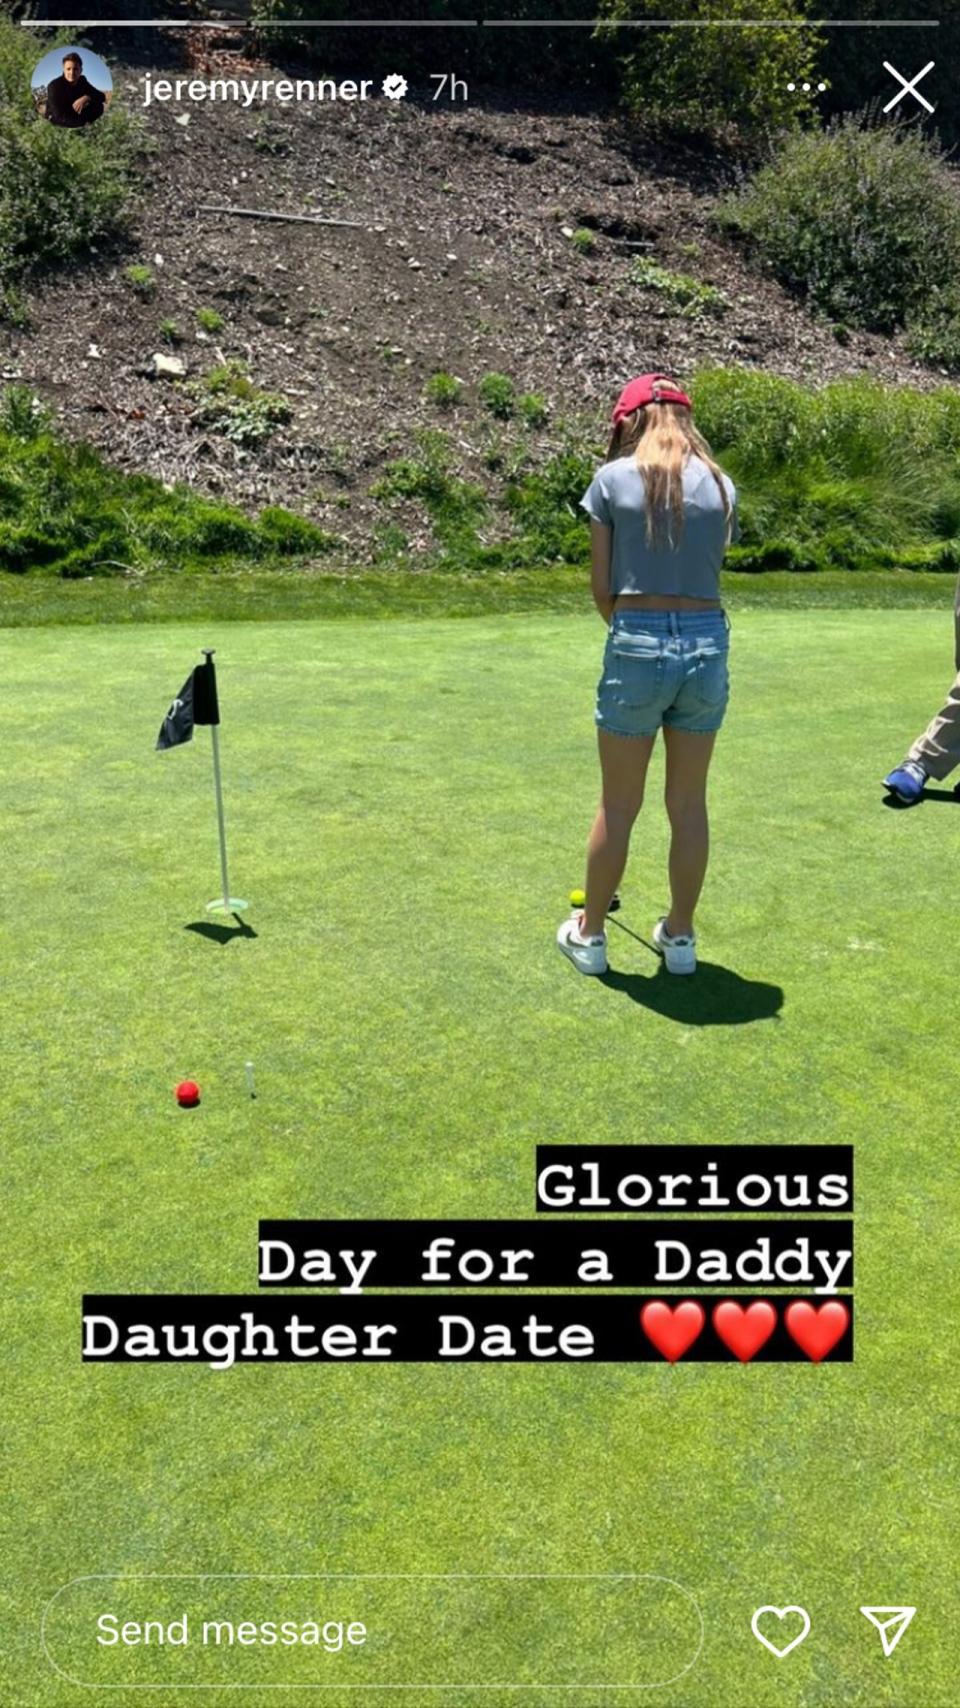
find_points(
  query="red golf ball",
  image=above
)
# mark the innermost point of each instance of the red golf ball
(187, 1094)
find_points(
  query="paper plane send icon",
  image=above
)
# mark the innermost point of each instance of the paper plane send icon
(891, 1622)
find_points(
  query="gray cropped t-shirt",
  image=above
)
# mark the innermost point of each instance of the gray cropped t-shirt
(617, 497)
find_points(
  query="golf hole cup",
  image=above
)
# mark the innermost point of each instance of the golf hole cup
(187, 1094)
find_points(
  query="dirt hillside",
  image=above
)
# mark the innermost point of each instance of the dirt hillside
(463, 261)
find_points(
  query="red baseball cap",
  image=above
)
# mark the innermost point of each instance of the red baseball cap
(648, 388)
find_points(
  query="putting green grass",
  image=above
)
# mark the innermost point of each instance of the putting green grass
(407, 805)
(245, 595)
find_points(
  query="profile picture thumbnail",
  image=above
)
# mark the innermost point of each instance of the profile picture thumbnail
(71, 88)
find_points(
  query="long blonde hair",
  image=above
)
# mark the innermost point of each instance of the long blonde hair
(662, 436)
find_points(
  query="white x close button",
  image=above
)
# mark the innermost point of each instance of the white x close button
(909, 86)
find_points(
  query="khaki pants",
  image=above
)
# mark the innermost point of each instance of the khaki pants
(938, 748)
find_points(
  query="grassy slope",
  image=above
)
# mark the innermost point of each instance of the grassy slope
(407, 809)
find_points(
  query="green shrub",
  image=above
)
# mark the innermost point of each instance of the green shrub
(209, 320)
(533, 409)
(934, 332)
(715, 80)
(390, 545)
(454, 505)
(545, 508)
(444, 390)
(496, 393)
(584, 240)
(230, 403)
(170, 332)
(61, 191)
(142, 280)
(862, 219)
(853, 475)
(64, 511)
(285, 533)
(692, 298)
(22, 415)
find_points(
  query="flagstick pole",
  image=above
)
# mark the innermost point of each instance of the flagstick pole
(221, 826)
(227, 902)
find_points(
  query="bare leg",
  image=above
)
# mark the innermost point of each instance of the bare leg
(623, 769)
(688, 761)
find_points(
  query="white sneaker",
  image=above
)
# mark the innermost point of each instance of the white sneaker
(679, 953)
(588, 954)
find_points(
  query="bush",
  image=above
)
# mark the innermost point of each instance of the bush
(496, 393)
(934, 332)
(741, 74)
(854, 475)
(454, 505)
(545, 507)
(230, 403)
(209, 320)
(683, 292)
(533, 409)
(584, 241)
(65, 511)
(22, 415)
(862, 219)
(715, 81)
(444, 390)
(283, 532)
(142, 280)
(60, 190)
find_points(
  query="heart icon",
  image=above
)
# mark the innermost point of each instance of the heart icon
(672, 1331)
(816, 1332)
(743, 1332)
(780, 1613)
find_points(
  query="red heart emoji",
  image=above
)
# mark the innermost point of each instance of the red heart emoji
(744, 1331)
(672, 1331)
(816, 1332)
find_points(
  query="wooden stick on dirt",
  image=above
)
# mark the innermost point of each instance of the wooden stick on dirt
(296, 219)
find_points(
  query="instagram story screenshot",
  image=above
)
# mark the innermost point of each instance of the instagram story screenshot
(480, 731)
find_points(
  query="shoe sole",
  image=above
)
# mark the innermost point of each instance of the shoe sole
(898, 795)
(675, 972)
(588, 972)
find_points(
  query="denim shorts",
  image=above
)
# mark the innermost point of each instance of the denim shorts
(664, 668)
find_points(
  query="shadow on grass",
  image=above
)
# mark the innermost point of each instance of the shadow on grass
(222, 933)
(898, 805)
(713, 996)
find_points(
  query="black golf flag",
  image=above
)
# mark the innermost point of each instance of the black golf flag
(196, 703)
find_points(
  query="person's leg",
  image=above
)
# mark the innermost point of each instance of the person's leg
(688, 761)
(938, 748)
(623, 768)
